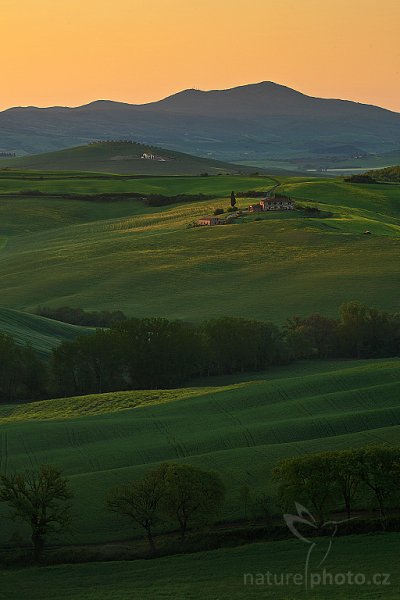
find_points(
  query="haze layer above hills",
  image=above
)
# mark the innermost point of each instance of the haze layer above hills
(260, 120)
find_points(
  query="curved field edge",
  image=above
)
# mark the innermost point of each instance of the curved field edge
(43, 334)
(295, 379)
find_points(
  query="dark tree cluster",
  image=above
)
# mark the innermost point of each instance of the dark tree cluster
(360, 178)
(172, 493)
(366, 477)
(77, 316)
(158, 353)
(386, 175)
(360, 332)
(23, 376)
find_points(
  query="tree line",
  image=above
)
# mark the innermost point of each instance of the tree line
(176, 494)
(179, 496)
(23, 375)
(78, 316)
(157, 353)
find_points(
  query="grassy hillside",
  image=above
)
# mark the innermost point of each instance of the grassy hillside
(390, 174)
(146, 261)
(241, 428)
(218, 574)
(114, 157)
(42, 334)
(71, 182)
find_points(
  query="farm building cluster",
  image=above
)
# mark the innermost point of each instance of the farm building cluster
(272, 202)
(216, 220)
(148, 156)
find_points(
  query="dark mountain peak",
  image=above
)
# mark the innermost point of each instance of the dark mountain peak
(236, 123)
(34, 109)
(265, 97)
(104, 105)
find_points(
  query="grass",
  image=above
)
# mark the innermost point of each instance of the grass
(169, 186)
(147, 262)
(42, 334)
(217, 575)
(241, 428)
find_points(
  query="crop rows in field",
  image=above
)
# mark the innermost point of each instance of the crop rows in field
(241, 430)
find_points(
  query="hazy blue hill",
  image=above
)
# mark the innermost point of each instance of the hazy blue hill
(257, 120)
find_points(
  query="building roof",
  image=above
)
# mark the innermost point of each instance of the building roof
(277, 200)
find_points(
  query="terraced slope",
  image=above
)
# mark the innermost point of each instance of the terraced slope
(240, 429)
(43, 334)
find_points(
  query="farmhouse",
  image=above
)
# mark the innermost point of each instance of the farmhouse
(212, 220)
(273, 202)
(255, 208)
(277, 202)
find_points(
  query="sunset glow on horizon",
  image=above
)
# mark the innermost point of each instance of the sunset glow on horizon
(71, 52)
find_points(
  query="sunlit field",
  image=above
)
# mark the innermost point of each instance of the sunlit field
(147, 261)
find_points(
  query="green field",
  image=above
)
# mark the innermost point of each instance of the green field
(85, 183)
(147, 262)
(217, 575)
(240, 427)
(42, 334)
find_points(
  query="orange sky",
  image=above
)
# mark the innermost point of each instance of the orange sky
(70, 52)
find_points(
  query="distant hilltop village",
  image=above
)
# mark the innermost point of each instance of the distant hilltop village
(146, 156)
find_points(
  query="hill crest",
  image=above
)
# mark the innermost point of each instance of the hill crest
(240, 123)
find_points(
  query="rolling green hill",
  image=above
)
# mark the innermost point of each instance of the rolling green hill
(147, 261)
(390, 174)
(49, 183)
(218, 574)
(43, 334)
(124, 158)
(241, 428)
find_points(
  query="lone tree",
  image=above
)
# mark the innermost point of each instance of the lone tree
(139, 501)
(309, 480)
(191, 492)
(40, 499)
(233, 199)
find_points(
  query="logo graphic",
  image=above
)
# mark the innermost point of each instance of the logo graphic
(304, 517)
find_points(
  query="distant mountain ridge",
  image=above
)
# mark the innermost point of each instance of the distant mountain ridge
(264, 119)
